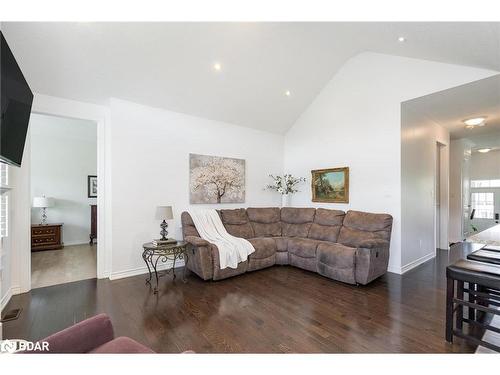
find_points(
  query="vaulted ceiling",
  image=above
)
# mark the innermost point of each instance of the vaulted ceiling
(172, 65)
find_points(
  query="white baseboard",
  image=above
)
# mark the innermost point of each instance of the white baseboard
(76, 243)
(142, 270)
(395, 270)
(417, 262)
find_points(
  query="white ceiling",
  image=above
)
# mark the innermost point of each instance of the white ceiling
(450, 107)
(170, 65)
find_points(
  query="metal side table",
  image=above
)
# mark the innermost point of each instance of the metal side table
(153, 254)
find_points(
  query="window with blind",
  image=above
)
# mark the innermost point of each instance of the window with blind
(484, 203)
(4, 201)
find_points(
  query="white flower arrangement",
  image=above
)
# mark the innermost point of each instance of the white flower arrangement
(285, 184)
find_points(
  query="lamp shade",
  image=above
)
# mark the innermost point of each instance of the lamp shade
(164, 213)
(43, 202)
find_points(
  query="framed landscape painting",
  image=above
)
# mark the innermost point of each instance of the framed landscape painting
(330, 185)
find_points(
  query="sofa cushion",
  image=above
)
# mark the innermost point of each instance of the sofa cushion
(295, 215)
(236, 222)
(303, 247)
(308, 264)
(255, 264)
(336, 261)
(281, 244)
(265, 221)
(324, 232)
(235, 217)
(264, 247)
(264, 215)
(326, 216)
(361, 226)
(295, 222)
(326, 225)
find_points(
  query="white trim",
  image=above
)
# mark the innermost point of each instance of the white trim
(417, 262)
(70, 109)
(76, 243)
(5, 299)
(394, 270)
(142, 270)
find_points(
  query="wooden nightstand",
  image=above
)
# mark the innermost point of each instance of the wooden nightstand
(46, 237)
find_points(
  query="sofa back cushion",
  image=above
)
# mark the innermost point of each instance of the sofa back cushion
(296, 222)
(265, 221)
(326, 225)
(236, 223)
(360, 226)
(188, 228)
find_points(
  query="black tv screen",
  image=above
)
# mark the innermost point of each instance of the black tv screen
(16, 98)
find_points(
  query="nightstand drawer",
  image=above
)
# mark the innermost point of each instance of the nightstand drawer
(44, 240)
(43, 231)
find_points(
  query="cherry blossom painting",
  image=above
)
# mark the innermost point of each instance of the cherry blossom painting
(216, 179)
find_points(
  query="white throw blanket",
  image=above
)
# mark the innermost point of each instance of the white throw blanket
(232, 250)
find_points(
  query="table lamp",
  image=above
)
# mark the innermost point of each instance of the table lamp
(43, 202)
(164, 213)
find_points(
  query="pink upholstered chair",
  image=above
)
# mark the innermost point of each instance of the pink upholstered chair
(93, 335)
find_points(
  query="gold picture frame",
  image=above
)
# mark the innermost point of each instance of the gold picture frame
(330, 185)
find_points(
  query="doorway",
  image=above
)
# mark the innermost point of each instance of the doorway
(62, 174)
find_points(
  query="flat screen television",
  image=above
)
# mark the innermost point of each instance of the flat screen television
(16, 99)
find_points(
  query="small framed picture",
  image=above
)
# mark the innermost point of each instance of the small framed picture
(92, 186)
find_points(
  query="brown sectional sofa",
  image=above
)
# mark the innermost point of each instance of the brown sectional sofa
(351, 247)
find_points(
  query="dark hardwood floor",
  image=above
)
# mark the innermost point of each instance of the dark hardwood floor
(276, 310)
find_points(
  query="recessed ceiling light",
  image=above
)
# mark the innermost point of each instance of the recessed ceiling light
(217, 67)
(401, 39)
(288, 93)
(484, 150)
(476, 121)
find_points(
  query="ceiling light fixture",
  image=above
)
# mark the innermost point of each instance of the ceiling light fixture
(473, 122)
(217, 67)
(288, 93)
(401, 39)
(484, 150)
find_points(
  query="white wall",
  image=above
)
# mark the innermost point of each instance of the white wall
(150, 166)
(419, 139)
(485, 166)
(356, 121)
(63, 154)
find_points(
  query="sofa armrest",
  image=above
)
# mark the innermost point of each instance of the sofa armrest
(374, 244)
(196, 241)
(81, 337)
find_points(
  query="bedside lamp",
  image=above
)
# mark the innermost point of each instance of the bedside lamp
(164, 213)
(43, 203)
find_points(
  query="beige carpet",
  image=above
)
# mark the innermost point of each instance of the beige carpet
(72, 263)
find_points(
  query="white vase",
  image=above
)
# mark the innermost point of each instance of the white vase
(285, 200)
